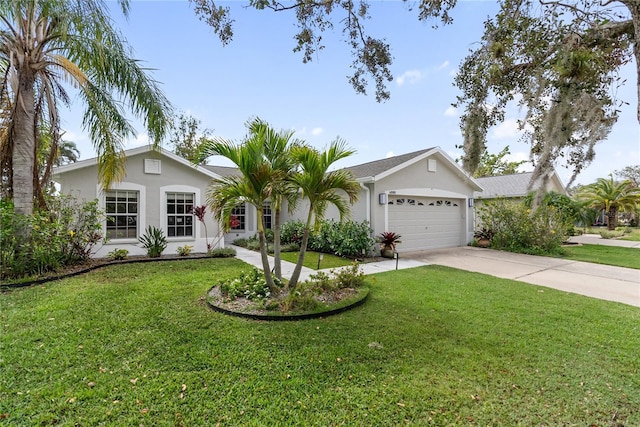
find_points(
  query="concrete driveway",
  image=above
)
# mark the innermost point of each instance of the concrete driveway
(598, 281)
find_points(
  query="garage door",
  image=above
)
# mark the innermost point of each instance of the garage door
(426, 223)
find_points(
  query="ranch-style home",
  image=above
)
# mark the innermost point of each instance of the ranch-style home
(423, 196)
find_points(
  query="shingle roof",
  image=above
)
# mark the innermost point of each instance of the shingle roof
(377, 167)
(515, 185)
(223, 171)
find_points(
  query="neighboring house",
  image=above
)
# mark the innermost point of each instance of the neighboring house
(515, 186)
(424, 196)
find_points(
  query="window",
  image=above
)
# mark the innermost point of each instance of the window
(179, 214)
(121, 209)
(266, 216)
(239, 213)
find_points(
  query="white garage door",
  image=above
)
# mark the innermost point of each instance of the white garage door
(426, 223)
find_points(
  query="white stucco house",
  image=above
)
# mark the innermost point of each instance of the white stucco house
(425, 196)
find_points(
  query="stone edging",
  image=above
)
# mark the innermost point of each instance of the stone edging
(287, 317)
(16, 285)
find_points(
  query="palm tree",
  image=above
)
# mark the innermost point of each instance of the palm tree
(612, 197)
(252, 186)
(321, 187)
(45, 43)
(277, 153)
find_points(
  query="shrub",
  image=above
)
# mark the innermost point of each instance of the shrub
(222, 253)
(154, 241)
(606, 234)
(347, 239)
(349, 277)
(47, 240)
(299, 300)
(118, 254)
(322, 281)
(290, 247)
(251, 285)
(184, 250)
(242, 242)
(519, 229)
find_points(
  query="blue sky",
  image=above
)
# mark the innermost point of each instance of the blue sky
(258, 74)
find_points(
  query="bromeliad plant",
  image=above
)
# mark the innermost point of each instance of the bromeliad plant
(388, 241)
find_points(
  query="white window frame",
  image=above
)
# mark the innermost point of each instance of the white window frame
(163, 210)
(125, 186)
(246, 217)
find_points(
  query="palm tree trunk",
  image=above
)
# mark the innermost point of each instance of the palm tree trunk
(276, 245)
(263, 254)
(612, 218)
(295, 276)
(24, 145)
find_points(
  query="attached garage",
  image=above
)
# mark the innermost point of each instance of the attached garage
(426, 222)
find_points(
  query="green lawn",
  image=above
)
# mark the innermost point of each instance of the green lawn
(634, 236)
(135, 345)
(601, 254)
(311, 260)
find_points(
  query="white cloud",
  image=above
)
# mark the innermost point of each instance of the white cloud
(507, 129)
(445, 64)
(411, 77)
(518, 157)
(390, 154)
(316, 131)
(451, 111)
(141, 139)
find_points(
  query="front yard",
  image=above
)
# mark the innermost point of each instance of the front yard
(135, 345)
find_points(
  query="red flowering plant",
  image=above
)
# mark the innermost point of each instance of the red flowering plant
(199, 212)
(234, 222)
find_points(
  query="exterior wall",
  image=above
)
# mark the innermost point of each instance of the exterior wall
(173, 177)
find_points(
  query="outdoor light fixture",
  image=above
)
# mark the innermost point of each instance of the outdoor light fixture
(382, 198)
(320, 256)
(471, 202)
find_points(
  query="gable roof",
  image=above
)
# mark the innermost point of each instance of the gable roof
(133, 152)
(514, 185)
(378, 169)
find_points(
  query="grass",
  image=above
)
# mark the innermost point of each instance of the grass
(135, 345)
(601, 254)
(634, 236)
(311, 260)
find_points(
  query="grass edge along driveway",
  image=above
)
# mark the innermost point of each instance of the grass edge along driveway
(135, 345)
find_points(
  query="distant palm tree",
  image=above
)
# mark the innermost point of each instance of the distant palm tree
(322, 187)
(253, 186)
(612, 197)
(45, 43)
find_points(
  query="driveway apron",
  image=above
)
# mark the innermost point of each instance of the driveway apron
(594, 280)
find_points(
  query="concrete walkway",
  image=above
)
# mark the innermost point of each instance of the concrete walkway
(253, 258)
(595, 280)
(596, 239)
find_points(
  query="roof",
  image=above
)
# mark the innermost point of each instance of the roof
(377, 167)
(132, 152)
(514, 185)
(223, 171)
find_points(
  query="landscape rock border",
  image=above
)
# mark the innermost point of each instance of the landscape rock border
(287, 317)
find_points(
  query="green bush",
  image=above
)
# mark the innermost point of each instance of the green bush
(347, 239)
(349, 277)
(242, 242)
(154, 241)
(251, 285)
(606, 234)
(517, 228)
(184, 250)
(299, 300)
(290, 247)
(47, 240)
(118, 254)
(222, 253)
